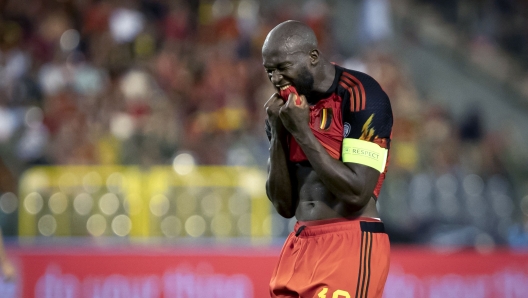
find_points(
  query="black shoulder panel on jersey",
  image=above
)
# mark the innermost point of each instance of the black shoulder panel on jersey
(366, 107)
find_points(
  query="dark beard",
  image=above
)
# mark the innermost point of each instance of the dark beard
(304, 83)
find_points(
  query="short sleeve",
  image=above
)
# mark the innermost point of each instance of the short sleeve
(374, 121)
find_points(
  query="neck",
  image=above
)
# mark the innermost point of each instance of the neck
(325, 77)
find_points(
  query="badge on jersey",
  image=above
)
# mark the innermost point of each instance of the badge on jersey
(326, 116)
(346, 129)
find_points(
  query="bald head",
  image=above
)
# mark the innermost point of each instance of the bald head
(290, 37)
(291, 57)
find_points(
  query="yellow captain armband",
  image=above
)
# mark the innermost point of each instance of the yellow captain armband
(365, 153)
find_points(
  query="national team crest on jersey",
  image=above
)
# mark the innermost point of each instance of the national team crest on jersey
(326, 116)
(346, 129)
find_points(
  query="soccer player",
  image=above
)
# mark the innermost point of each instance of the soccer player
(329, 130)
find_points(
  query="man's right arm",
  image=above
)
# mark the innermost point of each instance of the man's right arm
(279, 186)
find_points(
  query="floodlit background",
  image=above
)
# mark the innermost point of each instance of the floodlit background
(141, 121)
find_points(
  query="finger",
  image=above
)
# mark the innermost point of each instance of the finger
(302, 100)
(290, 101)
(273, 99)
(291, 97)
(296, 99)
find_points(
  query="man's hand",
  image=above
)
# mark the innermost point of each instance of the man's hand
(273, 106)
(295, 117)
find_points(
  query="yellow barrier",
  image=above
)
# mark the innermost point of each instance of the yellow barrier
(166, 202)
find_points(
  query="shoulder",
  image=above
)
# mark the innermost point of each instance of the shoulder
(366, 109)
(360, 91)
(355, 79)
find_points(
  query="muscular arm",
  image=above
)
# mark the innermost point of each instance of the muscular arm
(349, 182)
(279, 183)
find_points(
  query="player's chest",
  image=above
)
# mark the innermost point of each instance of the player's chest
(326, 116)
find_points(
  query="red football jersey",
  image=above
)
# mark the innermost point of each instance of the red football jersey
(354, 107)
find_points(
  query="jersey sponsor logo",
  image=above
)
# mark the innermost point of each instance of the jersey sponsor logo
(346, 129)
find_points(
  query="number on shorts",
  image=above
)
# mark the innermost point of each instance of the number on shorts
(322, 294)
(336, 294)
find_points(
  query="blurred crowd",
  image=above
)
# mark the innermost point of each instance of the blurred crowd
(490, 33)
(128, 82)
(499, 22)
(141, 81)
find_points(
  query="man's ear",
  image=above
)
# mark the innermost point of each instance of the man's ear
(314, 56)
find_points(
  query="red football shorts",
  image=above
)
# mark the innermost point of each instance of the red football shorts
(334, 258)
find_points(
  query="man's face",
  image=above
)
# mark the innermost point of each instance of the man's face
(286, 69)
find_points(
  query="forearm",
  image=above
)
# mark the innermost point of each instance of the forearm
(279, 185)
